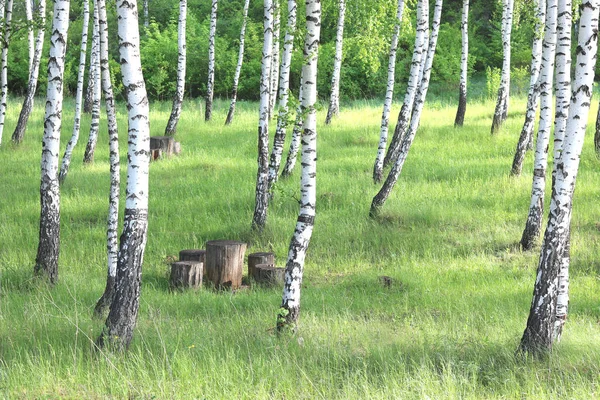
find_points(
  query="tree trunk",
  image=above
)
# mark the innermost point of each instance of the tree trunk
(186, 274)
(46, 263)
(389, 97)
(539, 334)
(392, 178)
(462, 97)
(30, 34)
(89, 94)
(262, 177)
(122, 317)
(255, 259)
(238, 68)
(295, 142)
(19, 132)
(146, 14)
(90, 149)
(179, 92)
(269, 275)
(275, 57)
(225, 263)
(533, 225)
(284, 88)
(334, 101)
(597, 134)
(534, 92)
(211, 62)
(289, 311)
(4, 60)
(501, 111)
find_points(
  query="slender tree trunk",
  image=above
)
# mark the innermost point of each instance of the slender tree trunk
(284, 88)
(389, 97)
(539, 334)
(334, 101)
(275, 57)
(89, 94)
(462, 97)
(19, 132)
(294, 268)
(501, 110)
(46, 263)
(262, 177)
(534, 94)
(597, 134)
(238, 68)
(533, 225)
(66, 161)
(146, 14)
(30, 34)
(115, 169)
(295, 142)
(124, 308)
(178, 100)
(392, 178)
(90, 149)
(211, 62)
(4, 60)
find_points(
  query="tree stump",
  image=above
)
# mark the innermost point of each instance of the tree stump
(269, 275)
(155, 154)
(259, 258)
(224, 263)
(192, 255)
(186, 274)
(166, 145)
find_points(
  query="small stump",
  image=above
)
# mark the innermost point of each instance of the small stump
(267, 274)
(259, 258)
(224, 263)
(163, 146)
(186, 274)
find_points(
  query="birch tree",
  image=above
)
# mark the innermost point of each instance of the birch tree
(179, 92)
(146, 14)
(30, 33)
(19, 132)
(462, 90)
(540, 333)
(389, 96)
(89, 94)
(211, 62)
(6, 33)
(533, 226)
(46, 263)
(284, 87)
(534, 93)
(238, 68)
(294, 269)
(275, 57)
(295, 141)
(88, 155)
(501, 111)
(334, 100)
(122, 317)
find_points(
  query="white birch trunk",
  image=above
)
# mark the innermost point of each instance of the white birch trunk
(88, 156)
(534, 93)
(66, 161)
(211, 62)
(238, 68)
(46, 263)
(27, 107)
(389, 96)
(334, 101)
(284, 87)
(4, 60)
(295, 141)
(275, 57)
(294, 269)
(146, 14)
(533, 225)
(540, 332)
(181, 60)
(262, 177)
(501, 110)
(462, 96)
(30, 33)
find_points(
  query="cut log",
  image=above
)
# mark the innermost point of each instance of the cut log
(192, 255)
(186, 274)
(259, 258)
(269, 275)
(164, 143)
(224, 263)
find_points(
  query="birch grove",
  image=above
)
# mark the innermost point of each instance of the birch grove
(238, 68)
(6, 33)
(462, 90)
(211, 61)
(501, 110)
(181, 59)
(334, 100)
(289, 311)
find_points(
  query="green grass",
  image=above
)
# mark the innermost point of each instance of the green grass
(447, 328)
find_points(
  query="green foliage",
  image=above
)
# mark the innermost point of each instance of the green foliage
(493, 76)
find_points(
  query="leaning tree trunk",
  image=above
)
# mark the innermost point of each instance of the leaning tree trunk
(115, 169)
(392, 178)
(334, 100)
(46, 262)
(295, 142)
(211, 62)
(66, 161)
(533, 96)
(284, 88)
(4, 60)
(262, 177)
(501, 110)
(462, 96)
(389, 96)
(178, 100)
(539, 334)
(238, 68)
(19, 132)
(90, 149)
(275, 57)
(533, 225)
(287, 317)
(30, 34)
(122, 317)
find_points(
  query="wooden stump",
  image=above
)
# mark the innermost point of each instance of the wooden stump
(224, 263)
(177, 148)
(155, 154)
(192, 255)
(269, 275)
(259, 258)
(186, 274)
(166, 144)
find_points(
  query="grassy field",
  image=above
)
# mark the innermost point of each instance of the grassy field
(447, 328)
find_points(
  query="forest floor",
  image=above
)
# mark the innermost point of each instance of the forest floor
(447, 327)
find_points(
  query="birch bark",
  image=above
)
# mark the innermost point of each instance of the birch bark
(295, 142)
(4, 61)
(275, 57)
(501, 110)
(238, 68)
(89, 94)
(146, 14)
(30, 33)
(334, 101)
(462, 96)
(179, 92)
(211, 61)
(88, 155)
